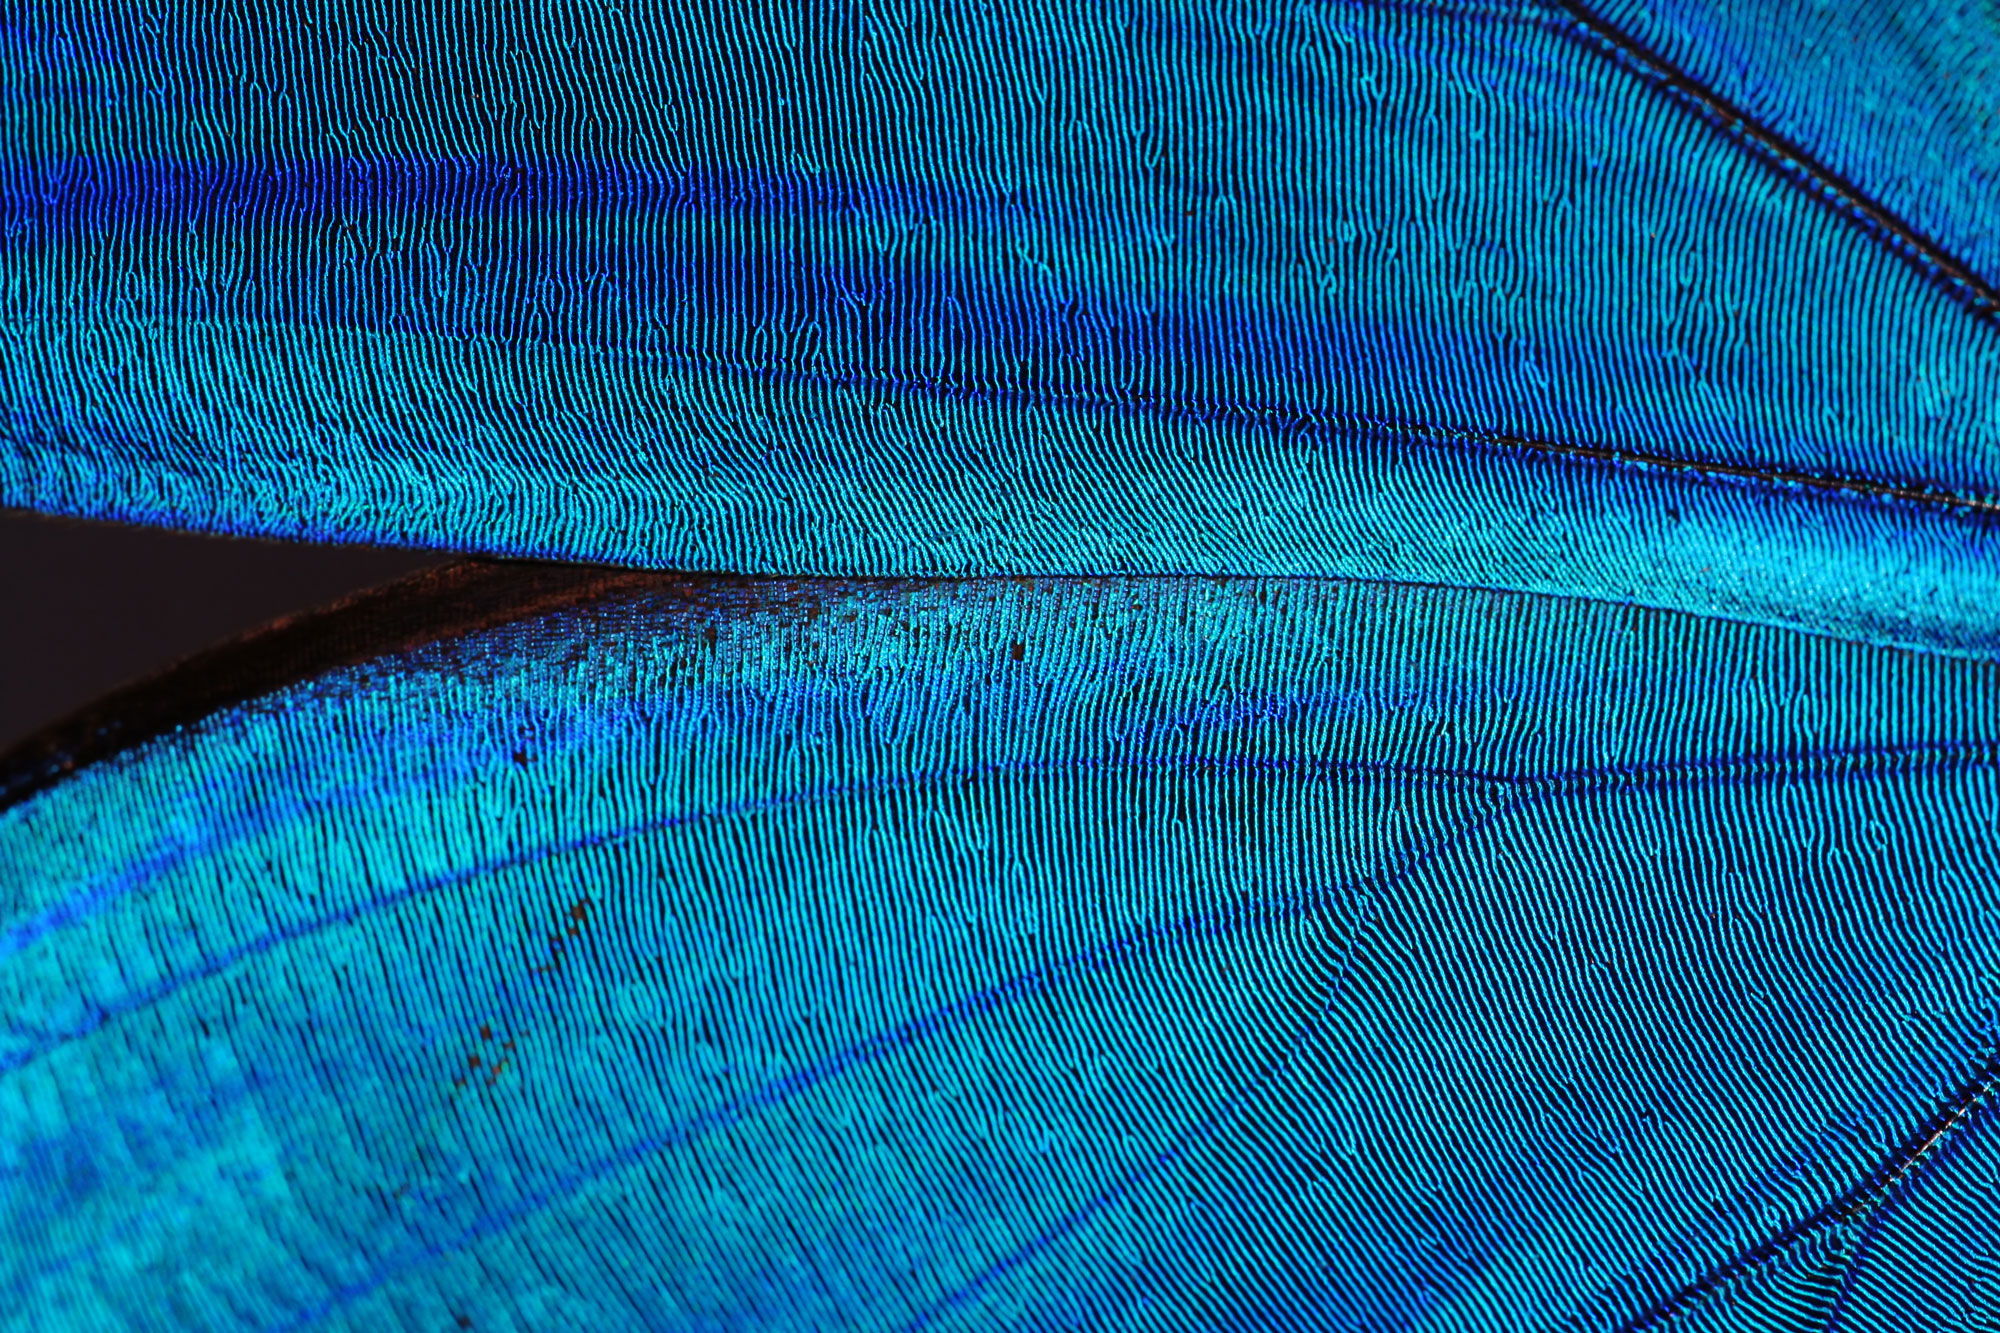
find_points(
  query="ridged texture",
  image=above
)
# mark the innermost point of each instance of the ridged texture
(1374, 290)
(1122, 954)
(1896, 98)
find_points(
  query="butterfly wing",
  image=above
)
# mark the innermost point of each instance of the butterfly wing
(653, 953)
(1465, 294)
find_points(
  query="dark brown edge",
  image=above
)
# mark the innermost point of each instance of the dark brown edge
(458, 598)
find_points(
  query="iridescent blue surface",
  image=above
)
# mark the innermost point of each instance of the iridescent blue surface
(1355, 289)
(1551, 885)
(1022, 955)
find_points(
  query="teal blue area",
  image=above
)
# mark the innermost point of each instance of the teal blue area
(1426, 293)
(1124, 954)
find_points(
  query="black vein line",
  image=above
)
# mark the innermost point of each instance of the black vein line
(1234, 413)
(1775, 478)
(1788, 159)
(1921, 1146)
(1863, 763)
(1157, 939)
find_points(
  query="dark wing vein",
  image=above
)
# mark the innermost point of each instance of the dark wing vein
(1790, 160)
(1971, 1099)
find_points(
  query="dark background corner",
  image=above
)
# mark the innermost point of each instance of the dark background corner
(88, 607)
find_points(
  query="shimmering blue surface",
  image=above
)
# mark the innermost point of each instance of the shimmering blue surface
(1556, 890)
(1148, 954)
(1356, 289)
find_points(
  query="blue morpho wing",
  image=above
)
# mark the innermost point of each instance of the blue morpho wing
(1488, 295)
(1896, 101)
(541, 948)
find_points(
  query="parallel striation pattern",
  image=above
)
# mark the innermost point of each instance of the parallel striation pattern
(1432, 293)
(1898, 99)
(1027, 954)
